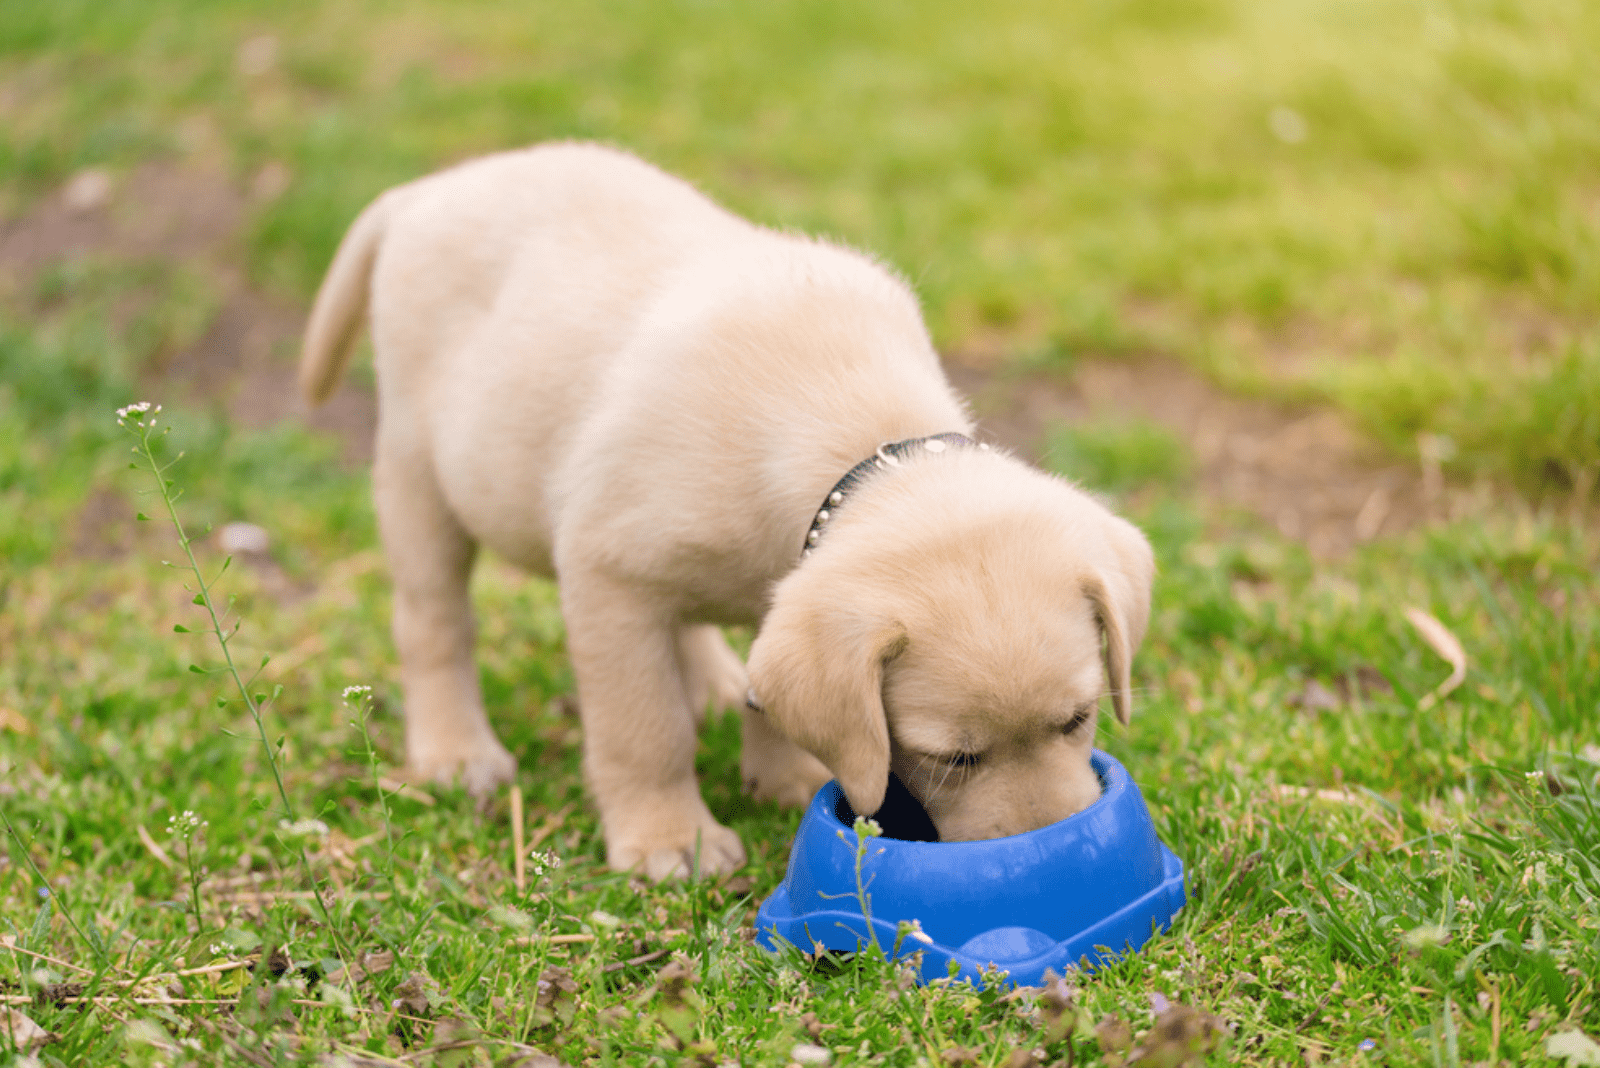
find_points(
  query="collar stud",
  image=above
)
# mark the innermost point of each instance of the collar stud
(888, 455)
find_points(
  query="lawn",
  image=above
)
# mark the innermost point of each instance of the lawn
(1384, 210)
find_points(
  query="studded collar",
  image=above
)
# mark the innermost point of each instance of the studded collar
(889, 454)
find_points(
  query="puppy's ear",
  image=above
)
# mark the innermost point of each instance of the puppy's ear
(816, 673)
(1119, 590)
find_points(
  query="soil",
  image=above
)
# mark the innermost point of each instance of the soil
(245, 359)
(1303, 471)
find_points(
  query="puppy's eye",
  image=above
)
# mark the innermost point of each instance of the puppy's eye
(1078, 720)
(963, 760)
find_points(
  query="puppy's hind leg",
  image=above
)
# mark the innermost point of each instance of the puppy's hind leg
(638, 731)
(713, 674)
(770, 765)
(448, 736)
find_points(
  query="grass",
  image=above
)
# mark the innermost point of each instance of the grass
(1433, 900)
(1387, 207)
(1370, 881)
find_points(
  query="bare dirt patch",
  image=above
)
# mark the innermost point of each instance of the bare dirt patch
(243, 359)
(158, 211)
(171, 213)
(1305, 472)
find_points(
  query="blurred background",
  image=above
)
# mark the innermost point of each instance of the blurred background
(1336, 251)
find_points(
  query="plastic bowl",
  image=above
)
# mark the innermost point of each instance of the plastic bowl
(1095, 885)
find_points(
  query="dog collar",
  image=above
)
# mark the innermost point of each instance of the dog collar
(889, 454)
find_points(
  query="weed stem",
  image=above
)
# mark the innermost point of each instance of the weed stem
(136, 421)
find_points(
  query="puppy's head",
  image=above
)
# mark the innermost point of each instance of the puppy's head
(962, 635)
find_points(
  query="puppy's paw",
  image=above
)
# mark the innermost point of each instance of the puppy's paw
(708, 847)
(481, 766)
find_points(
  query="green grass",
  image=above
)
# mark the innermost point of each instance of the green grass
(1313, 925)
(1386, 206)
(1116, 457)
(1058, 181)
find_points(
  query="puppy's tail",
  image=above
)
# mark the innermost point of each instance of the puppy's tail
(341, 304)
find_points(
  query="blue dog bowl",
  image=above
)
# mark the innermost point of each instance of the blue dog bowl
(1095, 885)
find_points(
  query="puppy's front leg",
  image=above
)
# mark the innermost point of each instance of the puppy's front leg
(639, 733)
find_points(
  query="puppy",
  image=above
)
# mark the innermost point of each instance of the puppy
(589, 368)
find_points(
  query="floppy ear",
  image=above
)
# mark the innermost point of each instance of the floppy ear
(1120, 593)
(816, 673)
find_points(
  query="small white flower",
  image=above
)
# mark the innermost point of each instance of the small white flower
(303, 829)
(913, 929)
(543, 862)
(136, 412)
(1533, 776)
(185, 824)
(867, 828)
(357, 693)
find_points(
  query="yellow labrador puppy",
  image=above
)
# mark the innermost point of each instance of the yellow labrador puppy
(588, 367)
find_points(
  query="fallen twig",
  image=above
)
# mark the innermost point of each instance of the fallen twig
(643, 958)
(153, 846)
(552, 823)
(564, 939)
(205, 969)
(519, 855)
(119, 999)
(1441, 641)
(47, 959)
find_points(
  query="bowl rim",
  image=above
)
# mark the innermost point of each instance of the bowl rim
(1114, 782)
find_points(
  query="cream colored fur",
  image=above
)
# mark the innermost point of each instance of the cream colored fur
(586, 366)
